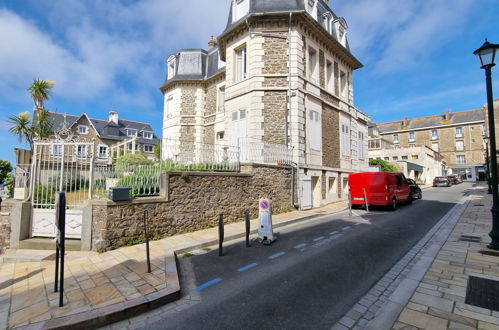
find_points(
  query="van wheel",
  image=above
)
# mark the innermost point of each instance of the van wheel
(410, 199)
(393, 207)
(420, 196)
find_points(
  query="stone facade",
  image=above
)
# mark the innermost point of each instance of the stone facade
(274, 114)
(331, 138)
(194, 202)
(275, 55)
(5, 225)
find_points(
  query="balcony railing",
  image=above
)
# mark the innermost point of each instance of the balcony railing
(254, 150)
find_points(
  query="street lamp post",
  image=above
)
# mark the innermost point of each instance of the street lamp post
(487, 57)
(487, 163)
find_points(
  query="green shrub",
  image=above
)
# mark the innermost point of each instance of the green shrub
(69, 183)
(132, 159)
(44, 194)
(385, 166)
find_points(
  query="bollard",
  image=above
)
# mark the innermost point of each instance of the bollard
(220, 234)
(146, 234)
(365, 200)
(350, 203)
(247, 220)
(60, 220)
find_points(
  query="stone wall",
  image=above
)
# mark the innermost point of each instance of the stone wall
(194, 202)
(5, 225)
(330, 137)
(276, 55)
(274, 113)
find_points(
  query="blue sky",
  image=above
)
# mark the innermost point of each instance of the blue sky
(417, 55)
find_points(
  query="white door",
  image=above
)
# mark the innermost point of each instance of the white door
(238, 132)
(306, 192)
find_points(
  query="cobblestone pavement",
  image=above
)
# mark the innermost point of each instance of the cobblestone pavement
(426, 289)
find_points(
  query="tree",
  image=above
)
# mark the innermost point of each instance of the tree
(5, 168)
(132, 159)
(385, 166)
(22, 127)
(40, 91)
(157, 150)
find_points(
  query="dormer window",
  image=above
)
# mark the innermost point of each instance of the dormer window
(172, 62)
(240, 8)
(147, 135)
(82, 129)
(131, 132)
(341, 27)
(311, 6)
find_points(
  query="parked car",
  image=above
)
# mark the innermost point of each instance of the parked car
(457, 178)
(441, 181)
(452, 179)
(380, 188)
(416, 192)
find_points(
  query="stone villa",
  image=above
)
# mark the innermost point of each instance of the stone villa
(279, 76)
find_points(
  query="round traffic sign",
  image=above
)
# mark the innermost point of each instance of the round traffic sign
(264, 204)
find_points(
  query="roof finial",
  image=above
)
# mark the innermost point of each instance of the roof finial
(212, 42)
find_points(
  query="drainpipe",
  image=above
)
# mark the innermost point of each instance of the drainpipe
(295, 189)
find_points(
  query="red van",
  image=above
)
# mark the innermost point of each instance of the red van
(381, 188)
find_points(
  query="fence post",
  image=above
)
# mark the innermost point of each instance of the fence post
(220, 234)
(146, 234)
(60, 219)
(365, 200)
(247, 220)
(350, 203)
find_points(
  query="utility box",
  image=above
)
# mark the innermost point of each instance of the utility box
(265, 231)
(119, 194)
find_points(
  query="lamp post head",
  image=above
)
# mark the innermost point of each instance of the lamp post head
(487, 54)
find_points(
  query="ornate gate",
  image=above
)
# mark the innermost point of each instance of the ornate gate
(60, 166)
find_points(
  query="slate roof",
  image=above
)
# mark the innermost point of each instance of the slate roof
(196, 64)
(456, 118)
(106, 129)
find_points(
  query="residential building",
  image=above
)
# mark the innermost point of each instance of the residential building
(279, 77)
(108, 138)
(457, 136)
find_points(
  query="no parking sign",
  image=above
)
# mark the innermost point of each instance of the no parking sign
(265, 232)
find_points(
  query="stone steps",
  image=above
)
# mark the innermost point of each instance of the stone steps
(48, 244)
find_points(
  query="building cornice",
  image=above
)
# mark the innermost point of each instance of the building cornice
(432, 127)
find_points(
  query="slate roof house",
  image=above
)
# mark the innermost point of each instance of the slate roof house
(279, 77)
(110, 138)
(457, 136)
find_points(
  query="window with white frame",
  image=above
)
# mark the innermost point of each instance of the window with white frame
(147, 135)
(434, 134)
(412, 137)
(171, 66)
(361, 146)
(460, 159)
(169, 106)
(56, 150)
(459, 132)
(315, 130)
(434, 146)
(345, 140)
(221, 99)
(239, 9)
(312, 65)
(130, 147)
(329, 76)
(241, 63)
(81, 150)
(343, 84)
(82, 129)
(312, 7)
(103, 151)
(131, 132)
(148, 148)
(395, 138)
(459, 145)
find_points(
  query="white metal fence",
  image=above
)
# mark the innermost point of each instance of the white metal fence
(253, 150)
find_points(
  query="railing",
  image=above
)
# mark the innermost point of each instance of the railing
(254, 150)
(191, 156)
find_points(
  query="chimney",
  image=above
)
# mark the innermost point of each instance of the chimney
(113, 117)
(405, 121)
(212, 42)
(447, 114)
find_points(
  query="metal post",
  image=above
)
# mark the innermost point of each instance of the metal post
(247, 218)
(349, 203)
(60, 218)
(494, 233)
(220, 234)
(487, 160)
(365, 199)
(146, 234)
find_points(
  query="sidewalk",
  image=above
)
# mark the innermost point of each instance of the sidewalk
(101, 288)
(427, 288)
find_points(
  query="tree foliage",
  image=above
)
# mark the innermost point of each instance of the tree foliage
(385, 166)
(132, 159)
(40, 91)
(5, 169)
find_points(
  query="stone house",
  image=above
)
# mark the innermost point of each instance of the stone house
(457, 136)
(110, 138)
(279, 75)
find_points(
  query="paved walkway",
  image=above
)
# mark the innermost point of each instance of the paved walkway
(426, 289)
(105, 287)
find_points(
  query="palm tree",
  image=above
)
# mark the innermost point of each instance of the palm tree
(22, 127)
(40, 91)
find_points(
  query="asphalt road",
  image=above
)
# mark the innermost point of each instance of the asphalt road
(311, 276)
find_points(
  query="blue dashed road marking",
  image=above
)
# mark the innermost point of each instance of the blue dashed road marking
(299, 246)
(346, 228)
(277, 255)
(333, 233)
(318, 238)
(207, 284)
(242, 269)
